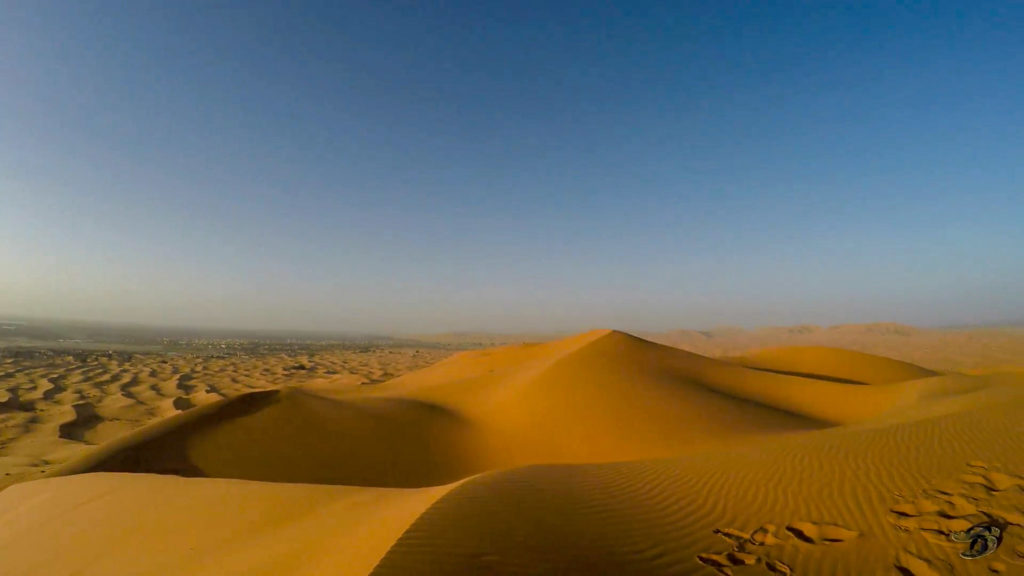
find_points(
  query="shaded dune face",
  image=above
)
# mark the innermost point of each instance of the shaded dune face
(600, 396)
(388, 442)
(295, 436)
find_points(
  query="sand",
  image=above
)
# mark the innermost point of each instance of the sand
(53, 409)
(597, 453)
(963, 350)
(144, 524)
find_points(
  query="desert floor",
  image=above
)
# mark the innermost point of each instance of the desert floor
(813, 451)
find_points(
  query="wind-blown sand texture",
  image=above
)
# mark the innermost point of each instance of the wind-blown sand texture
(601, 453)
(53, 408)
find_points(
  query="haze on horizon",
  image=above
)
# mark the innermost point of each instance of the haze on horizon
(483, 166)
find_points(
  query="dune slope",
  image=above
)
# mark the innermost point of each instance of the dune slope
(600, 396)
(832, 364)
(103, 524)
(600, 453)
(825, 502)
(58, 405)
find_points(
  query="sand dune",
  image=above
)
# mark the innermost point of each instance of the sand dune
(833, 364)
(821, 502)
(600, 396)
(296, 436)
(598, 453)
(53, 408)
(143, 524)
(967, 349)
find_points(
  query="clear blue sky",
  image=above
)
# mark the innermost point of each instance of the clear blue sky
(521, 166)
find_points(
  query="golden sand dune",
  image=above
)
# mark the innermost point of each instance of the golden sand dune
(974, 349)
(295, 436)
(833, 364)
(56, 407)
(825, 502)
(138, 524)
(600, 396)
(599, 453)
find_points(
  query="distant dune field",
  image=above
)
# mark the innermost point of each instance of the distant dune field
(985, 349)
(53, 408)
(599, 453)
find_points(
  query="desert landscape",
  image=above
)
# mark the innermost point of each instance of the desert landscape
(600, 452)
(54, 405)
(511, 288)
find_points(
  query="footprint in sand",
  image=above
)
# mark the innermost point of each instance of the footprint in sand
(741, 554)
(751, 549)
(992, 481)
(735, 536)
(957, 507)
(724, 563)
(764, 536)
(813, 533)
(919, 507)
(778, 567)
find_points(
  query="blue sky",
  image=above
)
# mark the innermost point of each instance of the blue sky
(521, 166)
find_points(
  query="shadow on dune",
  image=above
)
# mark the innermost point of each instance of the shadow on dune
(296, 436)
(824, 377)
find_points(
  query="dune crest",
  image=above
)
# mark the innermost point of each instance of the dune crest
(833, 364)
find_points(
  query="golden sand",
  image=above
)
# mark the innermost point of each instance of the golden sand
(601, 453)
